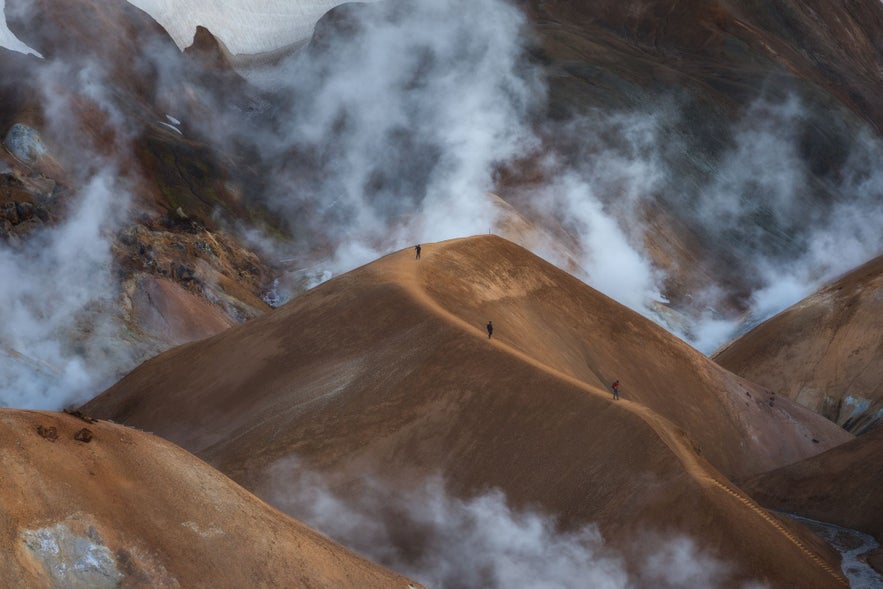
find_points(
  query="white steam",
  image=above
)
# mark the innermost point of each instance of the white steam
(402, 121)
(449, 543)
(612, 264)
(759, 203)
(57, 286)
(60, 339)
(764, 178)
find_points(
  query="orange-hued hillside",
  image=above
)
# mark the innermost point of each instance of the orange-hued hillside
(825, 352)
(388, 371)
(128, 509)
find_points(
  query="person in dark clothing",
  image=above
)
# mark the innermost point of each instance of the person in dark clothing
(490, 329)
(417, 249)
(615, 387)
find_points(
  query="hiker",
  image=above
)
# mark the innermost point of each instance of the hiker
(615, 387)
(417, 249)
(490, 329)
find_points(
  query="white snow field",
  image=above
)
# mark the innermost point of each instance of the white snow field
(244, 26)
(10, 41)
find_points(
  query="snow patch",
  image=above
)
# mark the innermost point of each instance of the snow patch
(8, 40)
(170, 127)
(244, 26)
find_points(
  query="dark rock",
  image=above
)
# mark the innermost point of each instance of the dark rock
(42, 213)
(182, 272)
(10, 180)
(50, 433)
(25, 210)
(79, 415)
(9, 212)
(84, 435)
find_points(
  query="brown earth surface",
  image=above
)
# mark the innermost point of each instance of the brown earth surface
(825, 352)
(128, 509)
(841, 486)
(387, 371)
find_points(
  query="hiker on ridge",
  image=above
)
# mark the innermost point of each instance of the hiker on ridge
(490, 329)
(615, 387)
(417, 249)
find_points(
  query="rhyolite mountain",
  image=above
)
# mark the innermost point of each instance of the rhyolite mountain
(386, 372)
(197, 179)
(825, 352)
(739, 131)
(115, 507)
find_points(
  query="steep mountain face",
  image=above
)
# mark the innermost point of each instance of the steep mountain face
(701, 87)
(91, 504)
(642, 132)
(90, 141)
(387, 372)
(825, 352)
(836, 486)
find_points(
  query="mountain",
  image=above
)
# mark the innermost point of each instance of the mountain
(825, 352)
(116, 507)
(103, 132)
(837, 486)
(719, 133)
(386, 372)
(645, 131)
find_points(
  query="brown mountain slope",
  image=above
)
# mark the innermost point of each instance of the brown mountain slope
(387, 370)
(825, 352)
(127, 509)
(728, 66)
(842, 486)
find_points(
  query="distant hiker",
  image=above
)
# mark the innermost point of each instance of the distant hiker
(615, 387)
(417, 249)
(490, 329)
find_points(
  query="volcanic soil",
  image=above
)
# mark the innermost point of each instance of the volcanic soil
(116, 507)
(387, 372)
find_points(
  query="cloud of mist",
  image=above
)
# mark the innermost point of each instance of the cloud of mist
(388, 130)
(400, 113)
(56, 340)
(61, 339)
(792, 230)
(450, 543)
(781, 228)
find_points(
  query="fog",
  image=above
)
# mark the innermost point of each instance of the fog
(57, 337)
(449, 543)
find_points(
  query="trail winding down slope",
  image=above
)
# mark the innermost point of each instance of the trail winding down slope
(387, 372)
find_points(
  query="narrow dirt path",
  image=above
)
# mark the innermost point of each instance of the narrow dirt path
(406, 272)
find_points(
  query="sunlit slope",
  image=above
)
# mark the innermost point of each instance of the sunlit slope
(826, 352)
(370, 373)
(559, 321)
(127, 509)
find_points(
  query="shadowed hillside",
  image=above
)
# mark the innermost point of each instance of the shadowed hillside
(825, 352)
(121, 508)
(387, 371)
(841, 486)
